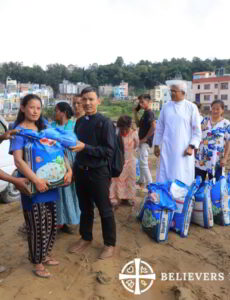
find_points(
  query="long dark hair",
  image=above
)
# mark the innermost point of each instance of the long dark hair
(21, 116)
(66, 108)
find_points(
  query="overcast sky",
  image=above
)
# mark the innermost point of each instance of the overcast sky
(84, 32)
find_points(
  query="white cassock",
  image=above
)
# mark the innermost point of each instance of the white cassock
(177, 127)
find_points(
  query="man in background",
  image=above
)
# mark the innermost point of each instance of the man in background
(147, 125)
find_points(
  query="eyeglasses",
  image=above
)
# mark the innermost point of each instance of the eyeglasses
(174, 91)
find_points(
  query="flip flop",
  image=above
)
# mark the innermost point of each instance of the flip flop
(51, 262)
(42, 273)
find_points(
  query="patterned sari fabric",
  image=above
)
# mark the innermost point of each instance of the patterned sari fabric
(41, 224)
(124, 187)
(211, 149)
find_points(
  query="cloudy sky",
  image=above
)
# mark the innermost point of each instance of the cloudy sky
(84, 32)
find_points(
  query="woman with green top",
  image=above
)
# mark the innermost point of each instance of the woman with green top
(68, 211)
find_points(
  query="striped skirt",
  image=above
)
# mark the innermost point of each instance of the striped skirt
(41, 223)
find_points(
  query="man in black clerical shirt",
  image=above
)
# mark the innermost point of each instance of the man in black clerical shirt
(94, 153)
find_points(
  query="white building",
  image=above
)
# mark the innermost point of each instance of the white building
(67, 87)
(207, 87)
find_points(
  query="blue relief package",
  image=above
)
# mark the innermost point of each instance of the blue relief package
(157, 213)
(202, 213)
(184, 198)
(45, 157)
(220, 195)
(65, 137)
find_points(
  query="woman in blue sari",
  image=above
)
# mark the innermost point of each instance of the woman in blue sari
(68, 211)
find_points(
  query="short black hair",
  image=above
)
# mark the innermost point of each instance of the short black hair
(89, 89)
(77, 95)
(66, 108)
(124, 122)
(145, 97)
(220, 102)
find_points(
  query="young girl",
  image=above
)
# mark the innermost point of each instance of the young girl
(68, 211)
(39, 210)
(124, 187)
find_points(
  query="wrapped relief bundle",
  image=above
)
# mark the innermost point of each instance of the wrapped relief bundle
(184, 198)
(45, 156)
(220, 195)
(202, 213)
(157, 213)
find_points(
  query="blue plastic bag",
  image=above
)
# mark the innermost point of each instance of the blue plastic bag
(184, 197)
(137, 169)
(45, 157)
(220, 195)
(161, 195)
(202, 213)
(65, 138)
(157, 212)
(156, 222)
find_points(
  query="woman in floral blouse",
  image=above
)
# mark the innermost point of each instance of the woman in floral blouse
(215, 145)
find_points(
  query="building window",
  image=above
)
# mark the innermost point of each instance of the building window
(207, 86)
(216, 86)
(198, 87)
(225, 107)
(207, 97)
(224, 97)
(224, 85)
(216, 97)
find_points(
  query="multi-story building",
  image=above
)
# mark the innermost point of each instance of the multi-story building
(67, 87)
(121, 91)
(207, 87)
(160, 95)
(106, 90)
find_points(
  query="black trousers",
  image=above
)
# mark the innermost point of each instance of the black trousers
(92, 186)
(202, 173)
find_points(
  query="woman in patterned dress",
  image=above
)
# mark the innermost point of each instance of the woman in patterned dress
(214, 148)
(40, 209)
(68, 211)
(124, 187)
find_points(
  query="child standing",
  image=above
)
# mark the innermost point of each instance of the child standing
(124, 187)
(39, 210)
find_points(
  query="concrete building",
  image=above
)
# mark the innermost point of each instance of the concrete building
(207, 87)
(105, 90)
(67, 87)
(160, 94)
(121, 91)
(11, 85)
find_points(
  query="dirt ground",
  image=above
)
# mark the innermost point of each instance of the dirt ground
(79, 277)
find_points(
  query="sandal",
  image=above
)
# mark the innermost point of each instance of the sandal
(49, 261)
(42, 273)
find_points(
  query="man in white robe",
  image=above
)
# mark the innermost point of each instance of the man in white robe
(178, 134)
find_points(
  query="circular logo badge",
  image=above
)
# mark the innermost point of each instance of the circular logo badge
(137, 276)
